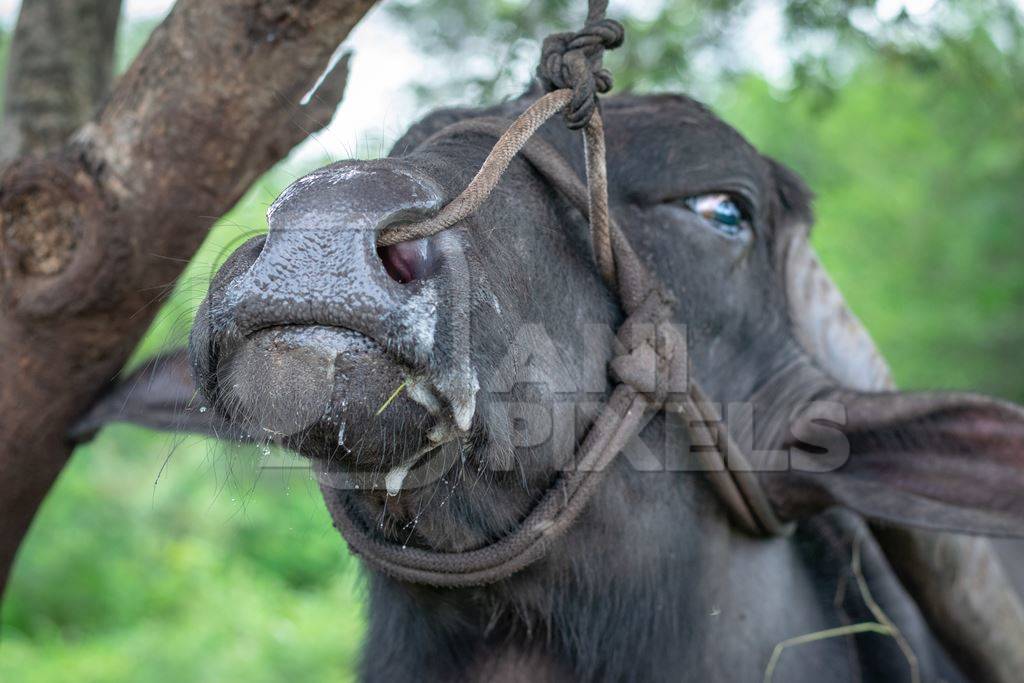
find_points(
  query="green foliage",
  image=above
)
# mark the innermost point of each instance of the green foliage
(674, 44)
(160, 558)
(918, 175)
(5, 41)
(190, 569)
(660, 47)
(130, 42)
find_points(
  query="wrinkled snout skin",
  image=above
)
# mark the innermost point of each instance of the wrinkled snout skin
(319, 264)
(305, 334)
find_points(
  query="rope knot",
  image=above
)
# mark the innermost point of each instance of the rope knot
(574, 61)
(652, 354)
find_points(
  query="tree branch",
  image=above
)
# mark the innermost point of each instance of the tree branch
(60, 68)
(88, 233)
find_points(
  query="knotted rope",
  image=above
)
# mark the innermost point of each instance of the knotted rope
(573, 61)
(572, 72)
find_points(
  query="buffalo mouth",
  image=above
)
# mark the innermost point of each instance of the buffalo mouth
(355, 391)
(335, 394)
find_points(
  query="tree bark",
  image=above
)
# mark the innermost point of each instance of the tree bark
(88, 232)
(60, 67)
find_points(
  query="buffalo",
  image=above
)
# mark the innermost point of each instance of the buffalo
(439, 386)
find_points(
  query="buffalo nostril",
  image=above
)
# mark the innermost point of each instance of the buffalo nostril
(409, 261)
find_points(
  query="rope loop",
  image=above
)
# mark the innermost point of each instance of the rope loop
(574, 61)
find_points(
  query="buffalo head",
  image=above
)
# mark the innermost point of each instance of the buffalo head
(439, 386)
(471, 363)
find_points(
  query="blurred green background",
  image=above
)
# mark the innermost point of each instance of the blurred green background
(169, 558)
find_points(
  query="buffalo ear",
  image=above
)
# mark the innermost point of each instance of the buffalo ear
(942, 461)
(159, 395)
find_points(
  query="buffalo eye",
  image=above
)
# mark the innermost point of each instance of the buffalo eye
(721, 211)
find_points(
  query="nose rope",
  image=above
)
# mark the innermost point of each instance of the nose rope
(571, 69)
(497, 162)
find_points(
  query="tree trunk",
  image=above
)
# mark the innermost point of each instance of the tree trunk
(60, 67)
(90, 231)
